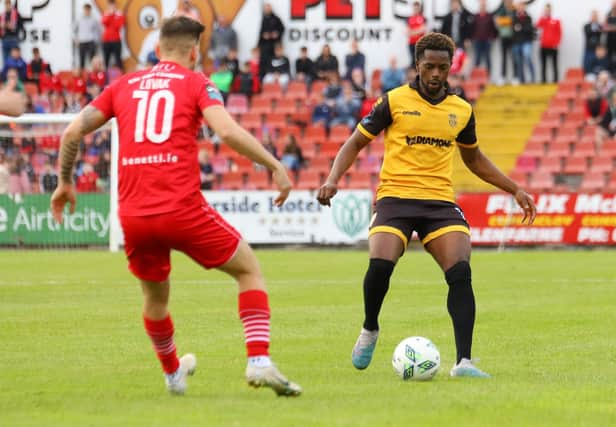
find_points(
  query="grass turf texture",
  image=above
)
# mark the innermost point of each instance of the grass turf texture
(75, 353)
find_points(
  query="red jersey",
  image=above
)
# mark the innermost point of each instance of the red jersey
(159, 112)
(550, 32)
(112, 25)
(86, 182)
(415, 22)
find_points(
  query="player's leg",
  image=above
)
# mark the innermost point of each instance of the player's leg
(384, 248)
(388, 237)
(149, 261)
(254, 312)
(452, 252)
(208, 239)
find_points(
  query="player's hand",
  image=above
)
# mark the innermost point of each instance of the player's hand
(283, 183)
(326, 192)
(64, 193)
(525, 201)
(14, 101)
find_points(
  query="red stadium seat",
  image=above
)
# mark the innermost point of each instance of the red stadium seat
(329, 149)
(232, 181)
(358, 180)
(258, 180)
(31, 89)
(251, 121)
(290, 130)
(321, 163)
(584, 149)
(271, 91)
(525, 163)
(570, 129)
(237, 103)
(318, 86)
(546, 130)
(309, 179)
(541, 181)
(535, 148)
(575, 166)
(286, 106)
(608, 149)
(601, 165)
(577, 117)
(296, 91)
(592, 181)
(276, 121)
(314, 134)
(558, 149)
(519, 176)
(551, 164)
(480, 75)
(574, 74)
(339, 133)
(261, 105)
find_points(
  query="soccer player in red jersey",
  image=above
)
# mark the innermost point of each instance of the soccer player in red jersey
(160, 204)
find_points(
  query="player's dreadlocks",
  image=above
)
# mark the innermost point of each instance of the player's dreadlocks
(434, 41)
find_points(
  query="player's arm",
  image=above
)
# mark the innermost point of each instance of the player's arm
(236, 137)
(344, 160)
(87, 121)
(481, 166)
(369, 127)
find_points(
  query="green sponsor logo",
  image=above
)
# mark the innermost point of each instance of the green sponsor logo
(351, 214)
(26, 220)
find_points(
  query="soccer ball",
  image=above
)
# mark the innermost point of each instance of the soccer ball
(416, 359)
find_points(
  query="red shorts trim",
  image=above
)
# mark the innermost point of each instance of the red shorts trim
(199, 232)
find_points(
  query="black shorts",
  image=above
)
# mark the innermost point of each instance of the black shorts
(429, 218)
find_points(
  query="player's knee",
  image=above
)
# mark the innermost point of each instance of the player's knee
(459, 274)
(380, 268)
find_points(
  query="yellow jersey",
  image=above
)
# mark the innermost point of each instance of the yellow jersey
(419, 141)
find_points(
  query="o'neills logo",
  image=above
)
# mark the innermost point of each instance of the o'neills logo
(337, 22)
(427, 140)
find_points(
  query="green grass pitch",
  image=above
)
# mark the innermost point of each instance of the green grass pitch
(74, 352)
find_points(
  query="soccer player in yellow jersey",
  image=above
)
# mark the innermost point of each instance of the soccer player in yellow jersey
(423, 122)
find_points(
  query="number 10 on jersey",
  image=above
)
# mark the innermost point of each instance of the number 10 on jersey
(147, 112)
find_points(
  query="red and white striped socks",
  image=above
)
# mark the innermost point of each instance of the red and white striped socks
(161, 334)
(254, 313)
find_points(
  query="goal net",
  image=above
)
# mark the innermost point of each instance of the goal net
(29, 155)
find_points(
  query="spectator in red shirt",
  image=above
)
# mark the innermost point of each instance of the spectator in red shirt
(550, 39)
(416, 29)
(113, 21)
(97, 75)
(86, 182)
(37, 66)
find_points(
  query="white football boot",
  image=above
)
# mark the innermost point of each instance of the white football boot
(176, 382)
(270, 376)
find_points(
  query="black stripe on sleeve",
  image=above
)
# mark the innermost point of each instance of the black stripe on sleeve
(378, 118)
(467, 136)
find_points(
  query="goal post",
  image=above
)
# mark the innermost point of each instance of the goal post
(28, 144)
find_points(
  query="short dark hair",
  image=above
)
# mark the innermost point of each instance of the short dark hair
(87, 6)
(434, 41)
(180, 33)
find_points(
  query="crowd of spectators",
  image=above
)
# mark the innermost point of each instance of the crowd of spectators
(344, 93)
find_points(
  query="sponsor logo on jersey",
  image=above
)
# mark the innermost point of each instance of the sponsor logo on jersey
(427, 140)
(411, 113)
(214, 94)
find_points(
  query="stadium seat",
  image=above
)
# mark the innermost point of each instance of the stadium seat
(526, 164)
(589, 131)
(611, 184)
(275, 121)
(480, 75)
(535, 148)
(545, 130)
(242, 164)
(261, 105)
(541, 181)
(232, 181)
(608, 149)
(290, 130)
(359, 180)
(574, 74)
(251, 121)
(31, 89)
(584, 149)
(301, 117)
(314, 134)
(601, 164)
(558, 149)
(321, 163)
(519, 176)
(271, 91)
(237, 103)
(339, 133)
(258, 180)
(566, 86)
(570, 129)
(575, 166)
(220, 164)
(560, 105)
(296, 91)
(329, 149)
(375, 79)
(286, 106)
(309, 179)
(592, 181)
(576, 116)
(551, 164)
(318, 86)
